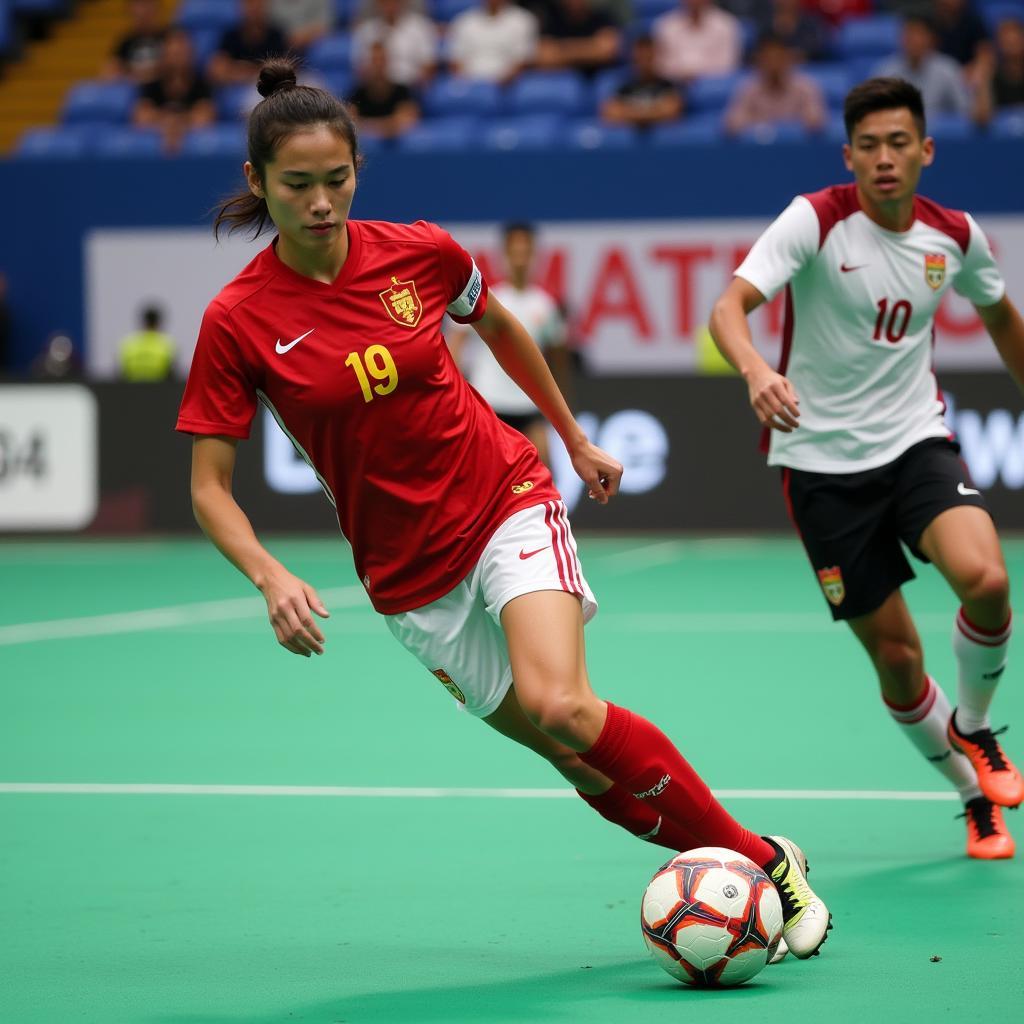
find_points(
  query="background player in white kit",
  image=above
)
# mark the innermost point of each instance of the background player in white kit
(536, 309)
(855, 421)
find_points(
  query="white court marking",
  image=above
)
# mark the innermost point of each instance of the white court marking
(427, 793)
(198, 612)
(232, 609)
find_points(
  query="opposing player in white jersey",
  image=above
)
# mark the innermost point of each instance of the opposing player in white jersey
(855, 421)
(537, 310)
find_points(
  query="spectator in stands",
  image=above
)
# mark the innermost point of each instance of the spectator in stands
(148, 353)
(802, 30)
(494, 41)
(698, 39)
(960, 31)
(243, 47)
(645, 98)
(940, 78)
(302, 21)
(576, 34)
(382, 108)
(58, 359)
(410, 40)
(1001, 73)
(179, 99)
(775, 92)
(137, 54)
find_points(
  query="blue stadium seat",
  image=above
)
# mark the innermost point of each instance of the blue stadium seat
(204, 44)
(1008, 124)
(65, 142)
(99, 101)
(345, 12)
(647, 8)
(548, 92)
(528, 131)
(234, 102)
(712, 92)
(950, 126)
(119, 142)
(859, 69)
(589, 133)
(835, 130)
(445, 10)
(776, 131)
(441, 135)
(7, 35)
(207, 14)
(47, 8)
(338, 82)
(877, 35)
(699, 130)
(331, 53)
(606, 84)
(833, 80)
(215, 140)
(451, 94)
(996, 12)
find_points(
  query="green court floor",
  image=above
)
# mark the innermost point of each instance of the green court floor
(422, 868)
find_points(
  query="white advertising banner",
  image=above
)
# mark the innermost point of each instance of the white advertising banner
(639, 292)
(49, 457)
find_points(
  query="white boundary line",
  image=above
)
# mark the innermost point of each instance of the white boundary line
(426, 793)
(143, 620)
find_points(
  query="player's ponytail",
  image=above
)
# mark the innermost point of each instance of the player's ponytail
(286, 107)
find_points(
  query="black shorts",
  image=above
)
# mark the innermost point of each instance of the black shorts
(852, 524)
(519, 421)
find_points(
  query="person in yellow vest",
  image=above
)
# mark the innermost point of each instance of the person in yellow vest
(148, 354)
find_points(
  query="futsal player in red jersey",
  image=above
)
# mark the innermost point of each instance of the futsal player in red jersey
(457, 531)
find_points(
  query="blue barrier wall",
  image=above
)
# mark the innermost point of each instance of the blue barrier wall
(51, 206)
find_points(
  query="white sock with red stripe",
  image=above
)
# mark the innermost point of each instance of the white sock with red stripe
(924, 723)
(981, 658)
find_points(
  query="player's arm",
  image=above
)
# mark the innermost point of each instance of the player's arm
(290, 601)
(1004, 324)
(519, 356)
(772, 396)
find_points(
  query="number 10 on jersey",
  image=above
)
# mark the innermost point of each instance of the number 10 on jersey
(375, 362)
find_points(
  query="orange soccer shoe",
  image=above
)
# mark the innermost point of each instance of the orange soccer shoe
(998, 778)
(987, 838)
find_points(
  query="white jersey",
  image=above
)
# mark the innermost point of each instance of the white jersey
(859, 323)
(538, 312)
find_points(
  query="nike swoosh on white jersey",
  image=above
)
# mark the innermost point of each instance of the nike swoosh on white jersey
(961, 489)
(281, 349)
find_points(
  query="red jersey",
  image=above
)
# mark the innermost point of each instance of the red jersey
(419, 468)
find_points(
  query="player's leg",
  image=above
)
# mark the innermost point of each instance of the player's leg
(849, 525)
(943, 519)
(612, 802)
(544, 631)
(964, 545)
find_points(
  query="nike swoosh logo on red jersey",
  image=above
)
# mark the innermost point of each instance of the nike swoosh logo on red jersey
(529, 554)
(845, 269)
(281, 349)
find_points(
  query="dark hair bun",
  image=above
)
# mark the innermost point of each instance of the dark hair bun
(275, 74)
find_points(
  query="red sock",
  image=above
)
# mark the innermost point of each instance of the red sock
(640, 819)
(639, 757)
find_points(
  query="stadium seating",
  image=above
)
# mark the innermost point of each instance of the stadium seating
(332, 53)
(589, 133)
(442, 134)
(547, 92)
(875, 36)
(63, 142)
(99, 101)
(703, 129)
(235, 101)
(451, 95)
(123, 141)
(713, 92)
(527, 131)
(778, 131)
(195, 15)
(993, 13)
(7, 34)
(445, 10)
(1008, 124)
(215, 140)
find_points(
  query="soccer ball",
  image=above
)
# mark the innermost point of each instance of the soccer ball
(711, 917)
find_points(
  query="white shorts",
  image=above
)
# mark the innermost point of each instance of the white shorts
(459, 636)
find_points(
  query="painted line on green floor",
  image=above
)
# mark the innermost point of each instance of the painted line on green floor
(429, 793)
(145, 619)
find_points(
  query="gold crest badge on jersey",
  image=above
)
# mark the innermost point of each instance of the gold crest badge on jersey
(449, 685)
(831, 580)
(526, 485)
(934, 269)
(402, 302)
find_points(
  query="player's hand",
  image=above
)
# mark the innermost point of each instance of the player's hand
(598, 470)
(291, 604)
(774, 401)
